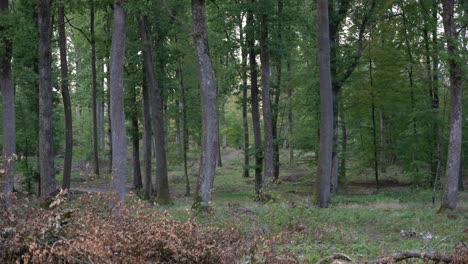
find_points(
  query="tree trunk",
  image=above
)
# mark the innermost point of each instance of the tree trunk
(456, 88)
(255, 104)
(326, 107)
(185, 136)
(344, 146)
(46, 147)
(290, 120)
(66, 100)
(383, 142)
(135, 134)
(94, 95)
(162, 182)
(119, 142)
(147, 154)
(435, 95)
(267, 124)
(8, 110)
(209, 112)
(374, 127)
(245, 117)
(109, 128)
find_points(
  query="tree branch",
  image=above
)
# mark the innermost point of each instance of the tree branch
(400, 256)
(79, 29)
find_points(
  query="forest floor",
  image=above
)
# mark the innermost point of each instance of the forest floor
(362, 222)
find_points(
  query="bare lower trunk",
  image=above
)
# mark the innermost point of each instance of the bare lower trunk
(162, 182)
(8, 111)
(185, 136)
(344, 146)
(147, 155)
(66, 101)
(255, 104)
(326, 107)
(94, 95)
(46, 146)
(119, 142)
(209, 112)
(137, 181)
(456, 88)
(245, 118)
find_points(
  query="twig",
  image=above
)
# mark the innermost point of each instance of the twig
(334, 256)
(79, 29)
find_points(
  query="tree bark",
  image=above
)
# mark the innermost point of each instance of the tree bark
(8, 111)
(147, 154)
(245, 118)
(94, 93)
(326, 107)
(162, 182)
(119, 142)
(250, 36)
(267, 124)
(344, 145)
(456, 89)
(185, 136)
(135, 134)
(209, 110)
(46, 147)
(66, 100)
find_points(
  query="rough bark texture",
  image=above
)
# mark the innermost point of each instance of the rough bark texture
(209, 110)
(119, 142)
(326, 106)
(254, 98)
(66, 100)
(266, 107)
(94, 93)
(456, 89)
(162, 183)
(8, 111)
(46, 146)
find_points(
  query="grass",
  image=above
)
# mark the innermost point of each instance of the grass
(360, 222)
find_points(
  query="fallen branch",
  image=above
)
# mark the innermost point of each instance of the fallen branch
(334, 256)
(400, 256)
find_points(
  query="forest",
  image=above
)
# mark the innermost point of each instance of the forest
(233, 131)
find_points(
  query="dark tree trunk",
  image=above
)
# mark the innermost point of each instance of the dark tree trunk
(383, 143)
(119, 142)
(94, 94)
(255, 101)
(435, 96)
(326, 107)
(209, 112)
(456, 89)
(162, 182)
(46, 146)
(266, 107)
(109, 128)
(8, 110)
(135, 133)
(344, 146)
(147, 154)
(374, 127)
(185, 136)
(245, 118)
(290, 120)
(66, 100)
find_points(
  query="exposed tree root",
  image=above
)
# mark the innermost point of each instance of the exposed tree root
(397, 257)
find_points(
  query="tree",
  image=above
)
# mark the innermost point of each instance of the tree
(94, 92)
(162, 183)
(46, 146)
(326, 106)
(456, 90)
(250, 37)
(119, 142)
(210, 139)
(67, 164)
(8, 106)
(267, 120)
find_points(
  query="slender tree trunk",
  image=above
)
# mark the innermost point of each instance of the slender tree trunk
(344, 146)
(135, 134)
(66, 100)
(435, 95)
(94, 95)
(119, 142)
(46, 147)
(109, 128)
(148, 185)
(245, 117)
(374, 127)
(290, 120)
(255, 101)
(209, 112)
(267, 124)
(8, 111)
(162, 182)
(456, 89)
(326, 107)
(185, 136)
(383, 142)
